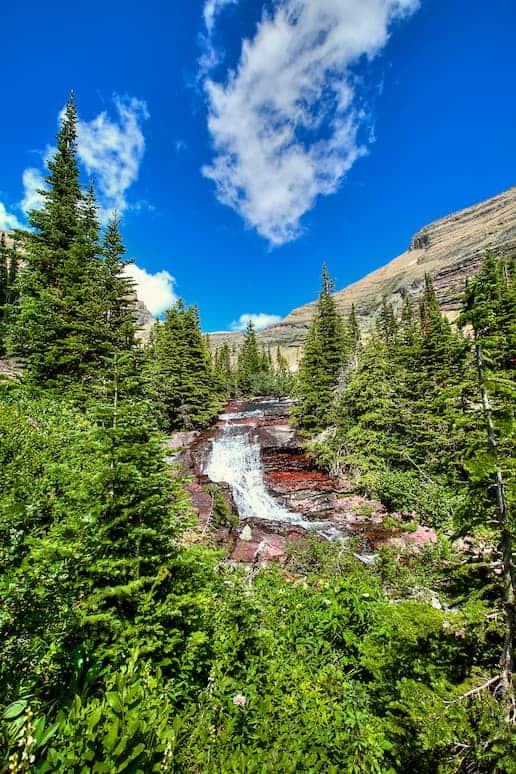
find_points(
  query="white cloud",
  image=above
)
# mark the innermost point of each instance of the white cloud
(112, 151)
(260, 321)
(8, 221)
(155, 290)
(285, 125)
(211, 10)
(211, 56)
(33, 182)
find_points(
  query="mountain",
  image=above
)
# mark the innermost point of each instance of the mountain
(449, 249)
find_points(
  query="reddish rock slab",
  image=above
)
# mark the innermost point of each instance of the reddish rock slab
(262, 547)
(422, 536)
(275, 436)
(256, 422)
(202, 501)
(296, 480)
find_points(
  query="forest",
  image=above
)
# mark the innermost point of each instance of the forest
(124, 648)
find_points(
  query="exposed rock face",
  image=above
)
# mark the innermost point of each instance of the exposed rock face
(450, 249)
(144, 322)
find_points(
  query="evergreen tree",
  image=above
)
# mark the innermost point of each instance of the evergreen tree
(284, 381)
(54, 332)
(250, 361)
(369, 409)
(8, 274)
(57, 224)
(353, 330)
(324, 356)
(331, 328)
(180, 378)
(223, 372)
(315, 388)
(199, 394)
(117, 292)
(435, 382)
(489, 306)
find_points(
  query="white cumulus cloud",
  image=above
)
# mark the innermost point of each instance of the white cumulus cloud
(259, 320)
(112, 151)
(8, 221)
(155, 290)
(285, 124)
(33, 183)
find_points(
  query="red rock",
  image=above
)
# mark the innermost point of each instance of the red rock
(260, 549)
(244, 551)
(416, 540)
(201, 500)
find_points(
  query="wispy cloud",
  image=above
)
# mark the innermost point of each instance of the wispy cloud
(285, 124)
(33, 183)
(8, 221)
(211, 55)
(260, 321)
(155, 290)
(112, 151)
(211, 10)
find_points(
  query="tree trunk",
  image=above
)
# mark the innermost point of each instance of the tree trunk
(509, 580)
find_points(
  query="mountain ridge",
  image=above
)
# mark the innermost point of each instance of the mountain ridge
(449, 249)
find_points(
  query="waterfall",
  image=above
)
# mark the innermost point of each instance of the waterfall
(235, 459)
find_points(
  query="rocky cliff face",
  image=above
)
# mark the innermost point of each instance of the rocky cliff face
(144, 322)
(450, 249)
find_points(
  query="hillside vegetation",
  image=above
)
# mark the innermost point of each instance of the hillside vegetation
(125, 649)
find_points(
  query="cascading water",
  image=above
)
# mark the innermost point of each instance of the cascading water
(235, 459)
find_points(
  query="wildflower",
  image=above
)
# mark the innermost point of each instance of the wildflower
(239, 700)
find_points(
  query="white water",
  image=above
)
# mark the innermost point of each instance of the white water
(235, 459)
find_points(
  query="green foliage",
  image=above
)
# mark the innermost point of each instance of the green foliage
(179, 375)
(224, 375)
(221, 513)
(325, 353)
(123, 651)
(9, 264)
(257, 372)
(75, 305)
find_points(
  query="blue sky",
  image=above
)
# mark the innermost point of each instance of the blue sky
(336, 131)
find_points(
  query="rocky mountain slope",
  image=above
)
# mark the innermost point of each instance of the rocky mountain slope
(449, 250)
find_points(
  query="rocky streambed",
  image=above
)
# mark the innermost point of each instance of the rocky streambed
(257, 463)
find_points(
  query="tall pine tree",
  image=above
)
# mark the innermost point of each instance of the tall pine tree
(489, 308)
(54, 330)
(324, 356)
